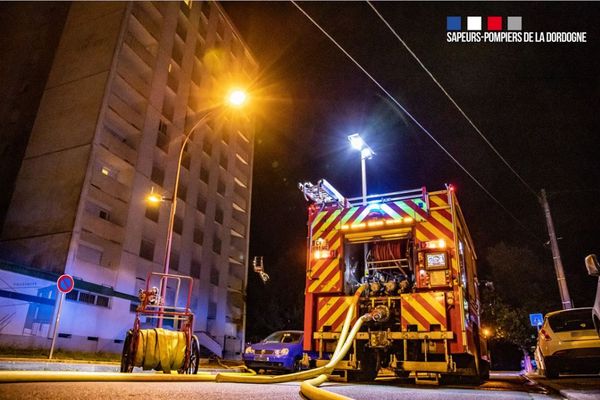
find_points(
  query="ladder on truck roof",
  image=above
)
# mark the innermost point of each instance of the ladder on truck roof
(322, 193)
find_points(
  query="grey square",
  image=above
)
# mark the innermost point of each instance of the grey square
(514, 23)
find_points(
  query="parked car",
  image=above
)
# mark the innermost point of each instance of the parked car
(593, 268)
(281, 350)
(568, 342)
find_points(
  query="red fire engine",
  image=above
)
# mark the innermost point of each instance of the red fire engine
(413, 253)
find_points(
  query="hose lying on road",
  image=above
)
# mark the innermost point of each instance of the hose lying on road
(312, 377)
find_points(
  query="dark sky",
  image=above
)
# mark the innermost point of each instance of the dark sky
(537, 103)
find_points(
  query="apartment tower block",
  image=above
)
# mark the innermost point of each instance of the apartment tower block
(128, 81)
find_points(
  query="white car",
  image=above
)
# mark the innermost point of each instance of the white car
(568, 342)
(593, 268)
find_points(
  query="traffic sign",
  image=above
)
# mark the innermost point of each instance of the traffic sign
(65, 283)
(536, 319)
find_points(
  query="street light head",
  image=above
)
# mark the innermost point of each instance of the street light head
(366, 153)
(154, 198)
(237, 98)
(356, 141)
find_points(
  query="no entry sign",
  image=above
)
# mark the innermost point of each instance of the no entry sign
(65, 283)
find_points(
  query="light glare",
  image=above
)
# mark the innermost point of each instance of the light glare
(237, 98)
(356, 141)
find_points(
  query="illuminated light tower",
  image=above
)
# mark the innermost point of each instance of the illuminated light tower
(366, 153)
(236, 98)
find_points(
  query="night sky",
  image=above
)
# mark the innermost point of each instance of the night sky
(537, 103)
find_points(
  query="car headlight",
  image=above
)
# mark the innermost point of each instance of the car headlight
(249, 350)
(281, 352)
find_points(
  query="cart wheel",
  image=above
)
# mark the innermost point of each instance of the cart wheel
(194, 356)
(127, 355)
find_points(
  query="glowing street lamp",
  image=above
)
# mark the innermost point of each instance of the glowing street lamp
(366, 153)
(236, 98)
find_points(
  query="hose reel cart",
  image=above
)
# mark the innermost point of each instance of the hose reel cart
(171, 345)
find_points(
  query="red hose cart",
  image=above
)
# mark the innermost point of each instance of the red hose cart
(172, 344)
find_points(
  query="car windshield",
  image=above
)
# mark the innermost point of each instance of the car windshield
(572, 320)
(283, 337)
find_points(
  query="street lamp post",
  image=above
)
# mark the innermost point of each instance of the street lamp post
(366, 152)
(236, 98)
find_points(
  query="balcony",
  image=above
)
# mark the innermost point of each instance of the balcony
(110, 186)
(103, 228)
(146, 21)
(234, 284)
(118, 147)
(139, 49)
(240, 201)
(238, 227)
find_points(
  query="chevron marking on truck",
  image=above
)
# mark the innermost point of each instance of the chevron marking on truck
(423, 310)
(332, 312)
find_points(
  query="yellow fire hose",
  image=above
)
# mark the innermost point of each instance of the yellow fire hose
(166, 350)
(160, 349)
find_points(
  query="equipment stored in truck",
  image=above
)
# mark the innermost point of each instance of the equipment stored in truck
(411, 254)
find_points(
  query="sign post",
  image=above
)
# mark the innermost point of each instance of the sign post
(65, 284)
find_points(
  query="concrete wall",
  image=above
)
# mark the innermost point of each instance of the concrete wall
(49, 183)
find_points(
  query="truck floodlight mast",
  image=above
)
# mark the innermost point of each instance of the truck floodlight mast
(411, 255)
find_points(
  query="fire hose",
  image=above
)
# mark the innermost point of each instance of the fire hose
(169, 359)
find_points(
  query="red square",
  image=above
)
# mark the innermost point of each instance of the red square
(494, 23)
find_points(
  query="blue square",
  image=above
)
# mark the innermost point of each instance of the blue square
(453, 23)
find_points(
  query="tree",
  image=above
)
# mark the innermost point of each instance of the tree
(520, 285)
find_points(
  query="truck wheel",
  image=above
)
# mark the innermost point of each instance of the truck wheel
(484, 370)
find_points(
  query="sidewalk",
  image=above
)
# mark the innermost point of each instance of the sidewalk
(41, 364)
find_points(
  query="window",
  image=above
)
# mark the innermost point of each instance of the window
(195, 269)
(102, 301)
(219, 215)
(185, 6)
(223, 160)
(205, 9)
(89, 254)
(181, 31)
(182, 192)
(212, 310)
(214, 276)
(72, 295)
(207, 148)
(204, 174)
(221, 28)
(158, 175)
(174, 261)
(178, 224)
(147, 249)
(87, 298)
(201, 204)
(221, 187)
(216, 244)
(152, 212)
(107, 171)
(162, 139)
(198, 236)
(162, 127)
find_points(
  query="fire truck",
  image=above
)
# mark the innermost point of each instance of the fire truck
(413, 256)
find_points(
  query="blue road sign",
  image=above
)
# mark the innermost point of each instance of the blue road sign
(65, 283)
(536, 319)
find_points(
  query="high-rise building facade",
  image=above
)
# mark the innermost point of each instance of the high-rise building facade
(128, 81)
